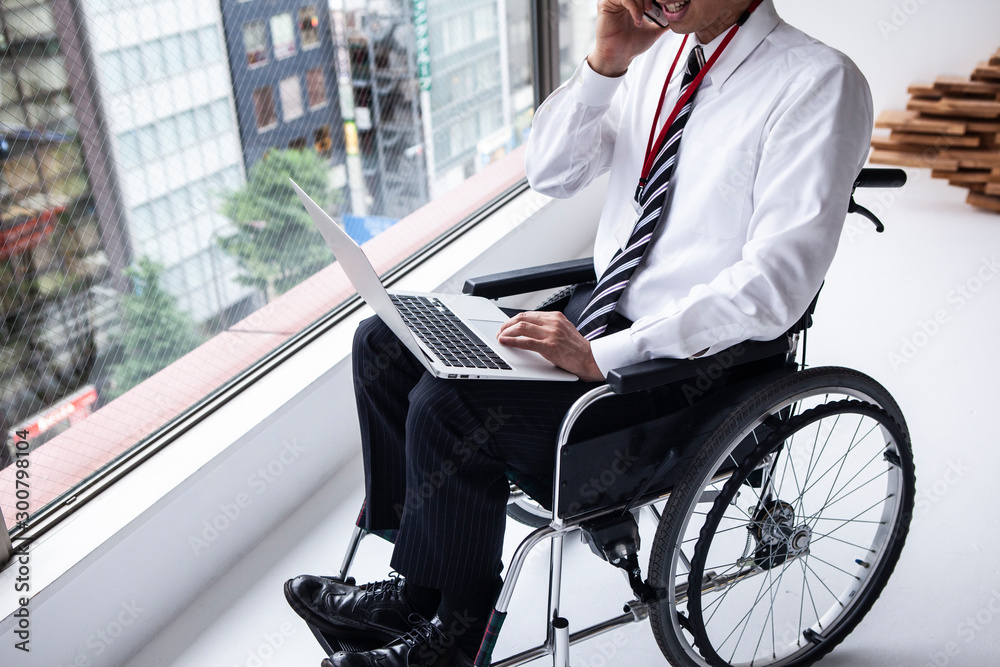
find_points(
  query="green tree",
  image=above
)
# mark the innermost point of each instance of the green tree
(276, 243)
(156, 331)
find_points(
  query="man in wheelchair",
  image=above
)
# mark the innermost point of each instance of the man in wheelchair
(733, 141)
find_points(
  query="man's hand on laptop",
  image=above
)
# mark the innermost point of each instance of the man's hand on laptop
(554, 337)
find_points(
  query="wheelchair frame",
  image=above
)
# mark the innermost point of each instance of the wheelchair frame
(646, 375)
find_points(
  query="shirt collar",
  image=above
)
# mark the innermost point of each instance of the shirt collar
(750, 35)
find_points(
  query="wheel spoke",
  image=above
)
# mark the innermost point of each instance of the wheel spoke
(843, 459)
(820, 579)
(852, 576)
(824, 536)
(837, 500)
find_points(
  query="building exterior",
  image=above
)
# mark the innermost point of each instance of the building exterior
(376, 40)
(281, 56)
(167, 110)
(54, 273)
(440, 89)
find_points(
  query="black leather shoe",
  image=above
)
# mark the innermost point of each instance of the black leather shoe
(374, 611)
(423, 646)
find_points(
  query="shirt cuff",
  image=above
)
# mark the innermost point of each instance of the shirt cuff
(614, 351)
(593, 89)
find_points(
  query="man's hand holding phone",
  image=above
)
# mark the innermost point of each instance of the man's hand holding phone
(622, 33)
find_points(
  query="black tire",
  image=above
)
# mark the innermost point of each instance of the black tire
(526, 511)
(743, 529)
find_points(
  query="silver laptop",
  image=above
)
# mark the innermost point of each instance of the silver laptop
(453, 335)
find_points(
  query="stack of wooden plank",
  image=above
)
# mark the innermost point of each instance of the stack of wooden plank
(953, 128)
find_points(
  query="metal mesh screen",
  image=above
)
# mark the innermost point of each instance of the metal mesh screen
(144, 207)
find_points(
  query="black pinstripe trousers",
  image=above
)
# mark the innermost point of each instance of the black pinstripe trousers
(436, 454)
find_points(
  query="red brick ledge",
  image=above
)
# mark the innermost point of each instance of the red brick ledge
(61, 463)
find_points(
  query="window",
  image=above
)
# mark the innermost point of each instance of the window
(168, 134)
(484, 23)
(457, 33)
(112, 71)
(576, 22)
(291, 98)
(323, 141)
(203, 121)
(316, 82)
(221, 116)
(255, 43)
(154, 60)
(263, 104)
(283, 36)
(211, 47)
(8, 86)
(29, 22)
(173, 55)
(42, 76)
(309, 27)
(191, 47)
(175, 149)
(149, 142)
(132, 66)
(187, 132)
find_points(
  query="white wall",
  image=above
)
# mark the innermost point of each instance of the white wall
(900, 42)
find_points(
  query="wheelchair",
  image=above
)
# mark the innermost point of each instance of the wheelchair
(782, 498)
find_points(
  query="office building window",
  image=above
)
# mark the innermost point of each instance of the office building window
(263, 104)
(29, 22)
(323, 141)
(211, 44)
(291, 98)
(154, 60)
(485, 23)
(221, 116)
(39, 77)
(309, 27)
(8, 86)
(316, 82)
(173, 55)
(255, 43)
(283, 36)
(191, 48)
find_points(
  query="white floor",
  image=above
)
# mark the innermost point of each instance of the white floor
(916, 307)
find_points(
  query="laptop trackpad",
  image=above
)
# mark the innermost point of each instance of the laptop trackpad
(521, 360)
(486, 328)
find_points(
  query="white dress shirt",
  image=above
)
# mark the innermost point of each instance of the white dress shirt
(780, 129)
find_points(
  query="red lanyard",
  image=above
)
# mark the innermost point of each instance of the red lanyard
(647, 164)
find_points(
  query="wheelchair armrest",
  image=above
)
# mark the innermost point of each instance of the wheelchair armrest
(658, 372)
(522, 281)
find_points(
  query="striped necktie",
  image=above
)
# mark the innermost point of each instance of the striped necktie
(597, 314)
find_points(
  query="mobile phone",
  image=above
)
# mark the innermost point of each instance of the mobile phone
(656, 15)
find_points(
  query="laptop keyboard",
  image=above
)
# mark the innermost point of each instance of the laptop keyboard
(442, 331)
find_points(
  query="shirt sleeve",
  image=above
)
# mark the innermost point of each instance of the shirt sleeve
(810, 158)
(572, 136)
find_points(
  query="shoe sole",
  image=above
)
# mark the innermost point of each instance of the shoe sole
(352, 629)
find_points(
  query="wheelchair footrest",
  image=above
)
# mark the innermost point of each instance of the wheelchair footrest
(331, 643)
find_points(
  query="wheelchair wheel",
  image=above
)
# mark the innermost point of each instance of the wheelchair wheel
(525, 510)
(785, 529)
